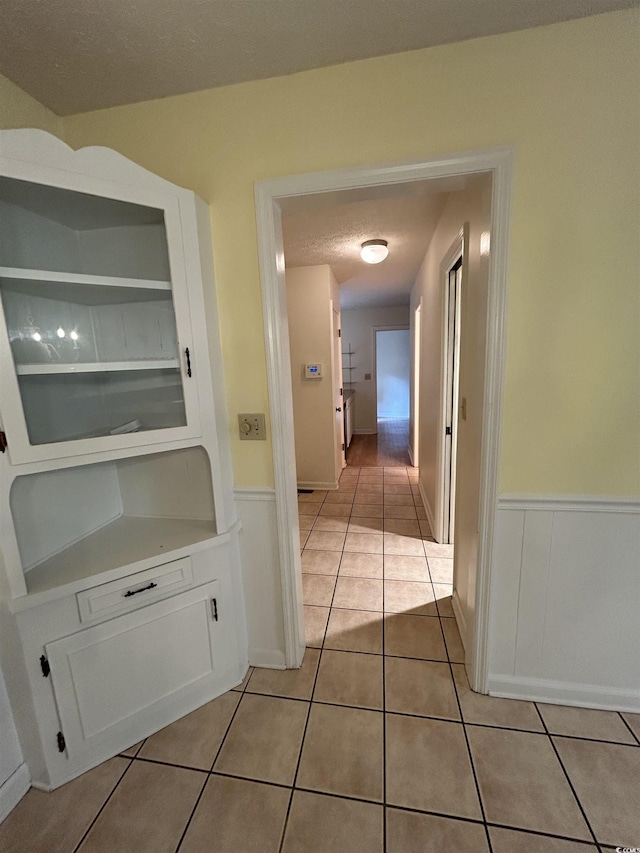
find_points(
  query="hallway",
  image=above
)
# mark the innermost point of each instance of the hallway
(376, 745)
(387, 448)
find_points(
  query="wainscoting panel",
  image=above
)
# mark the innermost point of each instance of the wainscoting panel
(564, 624)
(261, 575)
(14, 774)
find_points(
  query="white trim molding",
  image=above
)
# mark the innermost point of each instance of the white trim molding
(565, 693)
(569, 503)
(365, 432)
(254, 493)
(427, 506)
(270, 196)
(458, 250)
(13, 790)
(564, 626)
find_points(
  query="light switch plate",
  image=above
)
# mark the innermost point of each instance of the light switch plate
(251, 427)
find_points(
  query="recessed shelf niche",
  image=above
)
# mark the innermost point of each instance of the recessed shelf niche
(78, 522)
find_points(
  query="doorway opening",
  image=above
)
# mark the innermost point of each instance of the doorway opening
(387, 444)
(272, 197)
(393, 368)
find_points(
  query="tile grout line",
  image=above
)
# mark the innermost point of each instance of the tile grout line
(569, 782)
(466, 738)
(633, 734)
(215, 758)
(103, 806)
(306, 722)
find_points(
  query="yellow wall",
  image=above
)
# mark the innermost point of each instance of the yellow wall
(565, 97)
(17, 109)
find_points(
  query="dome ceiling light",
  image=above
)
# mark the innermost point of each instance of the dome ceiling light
(374, 251)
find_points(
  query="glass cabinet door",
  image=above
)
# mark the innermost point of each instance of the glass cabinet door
(88, 305)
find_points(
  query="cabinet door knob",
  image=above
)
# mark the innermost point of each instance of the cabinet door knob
(338, 409)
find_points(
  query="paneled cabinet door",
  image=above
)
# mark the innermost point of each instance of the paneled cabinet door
(96, 349)
(119, 678)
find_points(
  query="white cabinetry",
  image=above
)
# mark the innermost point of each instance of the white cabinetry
(349, 417)
(118, 533)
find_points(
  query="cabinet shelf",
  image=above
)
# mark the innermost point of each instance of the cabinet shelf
(96, 367)
(124, 543)
(83, 289)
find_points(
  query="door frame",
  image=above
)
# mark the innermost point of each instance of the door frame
(338, 387)
(414, 410)
(458, 249)
(399, 327)
(269, 194)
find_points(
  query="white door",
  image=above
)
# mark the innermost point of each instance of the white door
(452, 359)
(339, 434)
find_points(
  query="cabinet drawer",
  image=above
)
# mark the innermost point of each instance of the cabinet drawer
(124, 594)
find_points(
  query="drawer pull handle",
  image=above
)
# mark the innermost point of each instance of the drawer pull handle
(142, 589)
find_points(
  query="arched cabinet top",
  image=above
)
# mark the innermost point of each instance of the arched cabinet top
(30, 145)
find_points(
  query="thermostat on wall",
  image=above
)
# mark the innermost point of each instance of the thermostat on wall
(313, 371)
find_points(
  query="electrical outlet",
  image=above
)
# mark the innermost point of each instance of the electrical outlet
(251, 427)
(367, 376)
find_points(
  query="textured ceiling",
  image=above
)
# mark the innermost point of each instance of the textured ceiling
(80, 55)
(329, 229)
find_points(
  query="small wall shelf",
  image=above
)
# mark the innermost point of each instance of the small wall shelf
(348, 368)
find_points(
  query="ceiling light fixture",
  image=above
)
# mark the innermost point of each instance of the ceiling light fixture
(374, 251)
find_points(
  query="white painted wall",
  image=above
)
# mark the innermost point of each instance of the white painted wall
(310, 291)
(472, 205)
(565, 586)
(357, 332)
(393, 364)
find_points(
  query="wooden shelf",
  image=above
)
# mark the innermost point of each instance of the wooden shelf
(124, 543)
(83, 289)
(96, 367)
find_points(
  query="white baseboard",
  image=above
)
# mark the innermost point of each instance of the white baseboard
(458, 612)
(563, 693)
(427, 509)
(13, 790)
(365, 432)
(267, 658)
(410, 455)
(327, 487)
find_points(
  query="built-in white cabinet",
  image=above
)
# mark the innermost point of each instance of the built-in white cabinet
(123, 606)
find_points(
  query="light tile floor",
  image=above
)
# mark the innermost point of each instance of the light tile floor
(375, 745)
